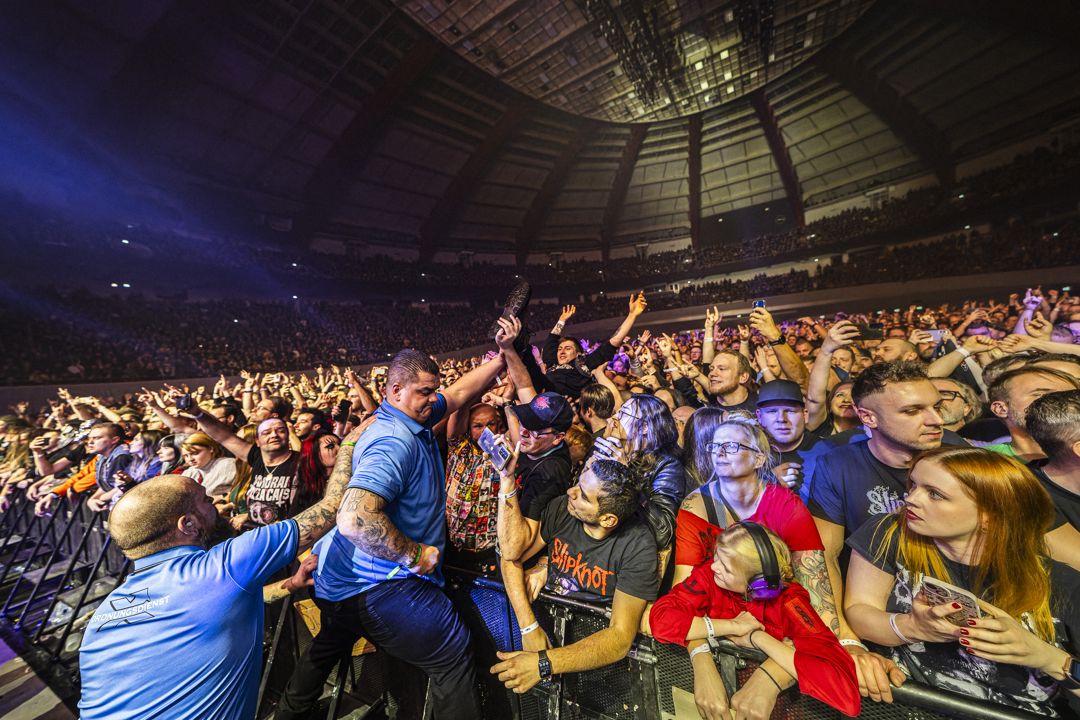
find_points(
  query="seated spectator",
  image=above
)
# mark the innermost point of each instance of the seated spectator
(207, 465)
(977, 520)
(747, 593)
(1011, 394)
(600, 553)
(1053, 421)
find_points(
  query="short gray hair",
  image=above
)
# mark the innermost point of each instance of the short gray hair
(406, 366)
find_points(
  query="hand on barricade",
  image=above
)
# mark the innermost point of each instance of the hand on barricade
(518, 671)
(97, 504)
(45, 504)
(710, 695)
(756, 699)
(535, 579)
(877, 675)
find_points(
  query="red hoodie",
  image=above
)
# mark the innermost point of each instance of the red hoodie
(826, 671)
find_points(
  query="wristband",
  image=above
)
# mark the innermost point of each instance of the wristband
(709, 627)
(848, 642)
(506, 496)
(348, 444)
(529, 628)
(417, 555)
(753, 644)
(699, 649)
(762, 668)
(964, 351)
(896, 630)
(776, 343)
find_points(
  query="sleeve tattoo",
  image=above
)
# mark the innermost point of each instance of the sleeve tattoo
(811, 572)
(318, 519)
(361, 519)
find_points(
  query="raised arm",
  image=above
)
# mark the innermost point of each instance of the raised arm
(637, 306)
(708, 342)
(319, 519)
(947, 364)
(222, 435)
(472, 384)
(509, 329)
(790, 364)
(842, 334)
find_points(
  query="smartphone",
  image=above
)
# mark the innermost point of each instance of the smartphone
(939, 592)
(379, 371)
(873, 331)
(758, 304)
(936, 334)
(498, 452)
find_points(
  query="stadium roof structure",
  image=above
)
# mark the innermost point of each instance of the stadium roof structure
(535, 126)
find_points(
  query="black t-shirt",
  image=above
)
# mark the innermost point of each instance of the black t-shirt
(800, 454)
(543, 479)
(274, 493)
(945, 665)
(571, 380)
(849, 485)
(1066, 501)
(591, 570)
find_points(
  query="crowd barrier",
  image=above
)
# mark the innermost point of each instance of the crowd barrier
(56, 569)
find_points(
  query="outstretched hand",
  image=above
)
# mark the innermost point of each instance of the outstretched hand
(638, 304)
(509, 329)
(567, 312)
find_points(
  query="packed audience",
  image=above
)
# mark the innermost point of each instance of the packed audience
(867, 500)
(82, 337)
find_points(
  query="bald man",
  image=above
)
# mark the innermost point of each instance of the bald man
(181, 638)
(893, 350)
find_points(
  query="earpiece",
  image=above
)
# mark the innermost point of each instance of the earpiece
(766, 585)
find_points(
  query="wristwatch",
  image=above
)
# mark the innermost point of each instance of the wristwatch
(545, 667)
(778, 341)
(1072, 672)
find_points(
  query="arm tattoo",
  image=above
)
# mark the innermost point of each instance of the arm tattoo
(361, 519)
(812, 573)
(318, 519)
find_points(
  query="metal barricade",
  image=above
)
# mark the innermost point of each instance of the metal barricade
(644, 685)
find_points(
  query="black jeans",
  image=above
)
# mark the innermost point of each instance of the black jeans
(411, 620)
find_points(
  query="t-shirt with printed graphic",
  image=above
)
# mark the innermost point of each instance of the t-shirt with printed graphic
(590, 570)
(274, 491)
(849, 485)
(946, 665)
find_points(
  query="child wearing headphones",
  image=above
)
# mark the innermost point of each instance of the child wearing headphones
(746, 594)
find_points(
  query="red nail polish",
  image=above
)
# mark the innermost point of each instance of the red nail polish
(970, 650)
(964, 642)
(956, 606)
(971, 623)
(964, 631)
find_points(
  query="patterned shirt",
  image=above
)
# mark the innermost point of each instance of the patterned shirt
(472, 497)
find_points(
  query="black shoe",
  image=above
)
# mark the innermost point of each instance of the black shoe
(517, 304)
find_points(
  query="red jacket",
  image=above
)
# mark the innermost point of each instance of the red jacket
(826, 671)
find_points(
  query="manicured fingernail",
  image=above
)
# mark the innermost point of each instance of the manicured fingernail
(964, 642)
(970, 650)
(956, 606)
(964, 631)
(971, 623)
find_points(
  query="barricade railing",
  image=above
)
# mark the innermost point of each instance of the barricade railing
(56, 568)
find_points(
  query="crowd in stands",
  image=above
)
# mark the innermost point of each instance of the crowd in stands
(82, 337)
(866, 499)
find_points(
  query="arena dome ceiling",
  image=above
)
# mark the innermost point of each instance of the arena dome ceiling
(350, 119)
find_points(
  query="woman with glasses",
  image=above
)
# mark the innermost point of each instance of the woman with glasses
(739, 486)
(643, 434)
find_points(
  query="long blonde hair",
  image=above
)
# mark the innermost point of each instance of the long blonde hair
(1012, 569)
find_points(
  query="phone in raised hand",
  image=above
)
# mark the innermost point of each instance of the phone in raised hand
(491, 445)
(938, 592)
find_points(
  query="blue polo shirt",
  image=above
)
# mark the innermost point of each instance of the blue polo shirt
(398, 459)
(181, 638)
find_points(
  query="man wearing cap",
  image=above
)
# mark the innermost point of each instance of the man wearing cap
(781, 411)
(544, 468)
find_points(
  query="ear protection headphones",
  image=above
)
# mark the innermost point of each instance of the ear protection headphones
(766, 585)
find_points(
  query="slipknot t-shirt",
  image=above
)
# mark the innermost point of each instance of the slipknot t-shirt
(272, 495)
(590, 570)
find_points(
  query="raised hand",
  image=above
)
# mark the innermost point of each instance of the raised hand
(509, 329)
(644, 337)
(567, 313)
(1038, 327)
(638, 304)
(840, 335)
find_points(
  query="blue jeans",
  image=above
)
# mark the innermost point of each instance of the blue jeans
(411, 620)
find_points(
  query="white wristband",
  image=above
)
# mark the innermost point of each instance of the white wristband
(699, 649)
(848, 642)
(709, 627)
(529, 628)
(964, 351)
(896, 630)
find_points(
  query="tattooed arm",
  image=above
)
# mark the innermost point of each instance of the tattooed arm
(318, 519)
(812, 573)
(361, 519)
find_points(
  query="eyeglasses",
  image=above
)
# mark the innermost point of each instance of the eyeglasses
(949, 394)
(727, 448)
(525, 432)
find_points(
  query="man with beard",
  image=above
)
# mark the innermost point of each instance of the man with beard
(959, 403)
(180, 639)
(729, 380)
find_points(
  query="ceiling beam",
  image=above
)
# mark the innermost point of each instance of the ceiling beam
(448, 209)
(619, 187)
(767, 118)
(536, 216)
(915, 131)
(327, 186)
(693, 151)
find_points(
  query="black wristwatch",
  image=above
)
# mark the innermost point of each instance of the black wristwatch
(778, 341)
(545, 667)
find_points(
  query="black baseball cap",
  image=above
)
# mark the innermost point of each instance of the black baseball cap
(547, 410)
(780, 391)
